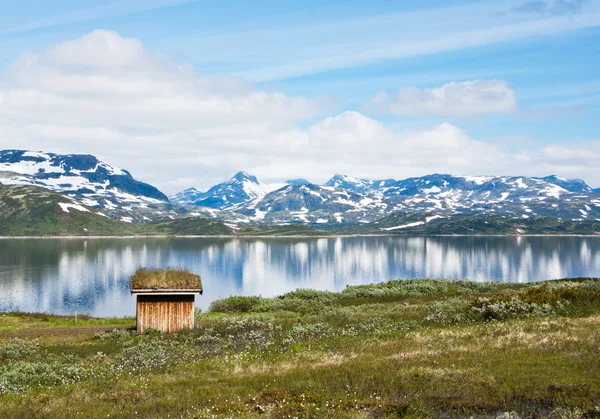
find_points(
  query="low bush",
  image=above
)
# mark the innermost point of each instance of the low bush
(544, 294)
(21, 376)
(300, 332)
(448, 311)
(235, 304)
(151, 354)
(548, 298)
(115, 334)
(399, 288)
(258, 332)
(310, 295)
(18, 348)
(313, 302)
(493, 309)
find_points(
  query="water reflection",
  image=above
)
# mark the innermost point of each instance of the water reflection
(92, 276)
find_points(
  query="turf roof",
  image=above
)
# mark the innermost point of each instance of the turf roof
(165, 279)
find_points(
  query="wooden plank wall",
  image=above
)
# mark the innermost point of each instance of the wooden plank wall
(168, 313)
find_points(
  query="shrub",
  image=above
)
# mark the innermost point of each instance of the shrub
(294, 305)
(18, 348)
(398, 288)
(115, 334)
(235, 304)
(494, 309)
(447, 311)
(300, 332)
(309, 295)
(539, 300)
(210, 345)
(153, 331)
(544, 294)
(20, 376)
(151, 354)
(251, 332)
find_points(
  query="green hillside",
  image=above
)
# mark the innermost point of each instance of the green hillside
(34, 211)
(283, 230)
(184, 226)
(417, 224)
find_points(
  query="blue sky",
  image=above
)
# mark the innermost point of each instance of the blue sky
(522, 84)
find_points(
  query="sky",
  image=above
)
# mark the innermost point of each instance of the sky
(184, 93)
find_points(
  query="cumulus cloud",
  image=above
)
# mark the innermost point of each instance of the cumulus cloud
(104, 79)
(469, 98)
(110, 96)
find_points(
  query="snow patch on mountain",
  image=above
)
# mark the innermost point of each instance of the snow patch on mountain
(415, 224)
(65, 207)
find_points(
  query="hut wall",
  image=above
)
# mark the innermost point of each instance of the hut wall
(168, 313)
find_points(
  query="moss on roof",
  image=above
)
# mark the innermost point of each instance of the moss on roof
(163, 279)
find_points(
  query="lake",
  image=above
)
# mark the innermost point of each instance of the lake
(65, 276)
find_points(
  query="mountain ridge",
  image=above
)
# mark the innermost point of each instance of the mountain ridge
(341, 201)
(346, 199)
(35, 211)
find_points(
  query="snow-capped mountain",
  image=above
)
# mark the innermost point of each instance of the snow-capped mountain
(85, 179)
(111, 191)
(241, 188)
(357, 185)
(186, 197)
(344, 199)
(307, 203)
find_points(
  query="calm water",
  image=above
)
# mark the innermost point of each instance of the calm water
(92, 275)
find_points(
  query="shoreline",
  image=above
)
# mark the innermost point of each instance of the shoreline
(292, 236)
(132, 315)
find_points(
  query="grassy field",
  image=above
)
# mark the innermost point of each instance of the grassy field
(419, 348)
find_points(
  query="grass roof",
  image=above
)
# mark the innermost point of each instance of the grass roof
(163, 279)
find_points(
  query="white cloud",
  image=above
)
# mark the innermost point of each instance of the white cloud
(109, 96)
(469, 98)
(102, 78)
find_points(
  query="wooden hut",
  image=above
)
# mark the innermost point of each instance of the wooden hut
(165, 299)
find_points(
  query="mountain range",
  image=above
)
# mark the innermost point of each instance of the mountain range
(344, 199)
(343, 202)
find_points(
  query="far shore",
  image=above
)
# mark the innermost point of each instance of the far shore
(292, 236)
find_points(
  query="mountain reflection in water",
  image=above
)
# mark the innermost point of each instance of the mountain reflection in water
(92, 275)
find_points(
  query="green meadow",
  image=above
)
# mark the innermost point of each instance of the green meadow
(416, 348)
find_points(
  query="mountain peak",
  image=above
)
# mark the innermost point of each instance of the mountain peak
(242, 176)
(298, 182)
(338, 177)
(571, 185)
